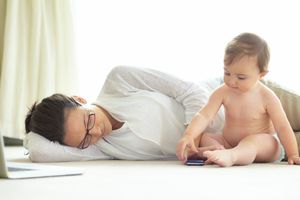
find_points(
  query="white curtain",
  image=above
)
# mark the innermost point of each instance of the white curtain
(36, 55)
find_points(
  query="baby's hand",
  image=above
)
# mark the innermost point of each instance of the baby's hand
(294, 160)
(184, 144)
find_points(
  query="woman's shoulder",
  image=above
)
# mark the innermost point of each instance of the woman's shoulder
(123, 69)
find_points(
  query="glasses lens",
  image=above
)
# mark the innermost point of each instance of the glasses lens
(91, 121)
(86, 142)
(88, 137)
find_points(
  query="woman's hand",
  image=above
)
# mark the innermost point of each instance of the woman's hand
(185, 144)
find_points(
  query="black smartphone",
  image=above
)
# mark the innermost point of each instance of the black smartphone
(195, 162)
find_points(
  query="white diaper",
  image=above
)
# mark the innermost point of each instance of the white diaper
(282, 151)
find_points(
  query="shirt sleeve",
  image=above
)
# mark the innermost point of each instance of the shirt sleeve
(123, 81)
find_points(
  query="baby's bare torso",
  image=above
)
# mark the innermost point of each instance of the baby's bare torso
(245, 114)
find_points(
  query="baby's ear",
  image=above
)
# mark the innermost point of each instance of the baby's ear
(80, 99)
(262, 74)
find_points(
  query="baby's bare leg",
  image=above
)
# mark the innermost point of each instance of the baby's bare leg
(210, 142)
(253, 148)
(205, 142)
(212, 139)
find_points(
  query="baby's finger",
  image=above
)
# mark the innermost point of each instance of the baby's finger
(194, 148)
(185, 154)
(180, 151)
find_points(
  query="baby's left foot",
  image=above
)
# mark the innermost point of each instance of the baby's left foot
(223, 158)
(199, 154)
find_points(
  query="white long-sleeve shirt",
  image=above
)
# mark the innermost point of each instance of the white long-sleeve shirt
(155, 108)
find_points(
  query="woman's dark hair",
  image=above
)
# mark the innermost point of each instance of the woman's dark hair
(47, 118)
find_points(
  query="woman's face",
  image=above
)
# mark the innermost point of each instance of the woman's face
(78, 120)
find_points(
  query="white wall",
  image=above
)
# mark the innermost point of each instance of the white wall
(183, 37)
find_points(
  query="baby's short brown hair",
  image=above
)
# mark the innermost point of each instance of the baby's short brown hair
(248, 44)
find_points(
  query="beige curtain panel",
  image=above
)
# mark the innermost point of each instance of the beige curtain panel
(36, 57)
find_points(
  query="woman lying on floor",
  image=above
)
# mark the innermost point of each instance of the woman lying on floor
(140, 114)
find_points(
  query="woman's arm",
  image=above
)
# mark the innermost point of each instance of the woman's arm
(125, 80)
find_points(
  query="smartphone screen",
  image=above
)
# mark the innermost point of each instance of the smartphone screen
(195, 162)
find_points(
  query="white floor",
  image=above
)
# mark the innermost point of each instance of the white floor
(141, 180)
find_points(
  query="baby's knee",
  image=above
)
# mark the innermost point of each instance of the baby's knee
(205, 137)
(262, 141)
(211, 139)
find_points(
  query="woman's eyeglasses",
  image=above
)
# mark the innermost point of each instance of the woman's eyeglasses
(89, 125)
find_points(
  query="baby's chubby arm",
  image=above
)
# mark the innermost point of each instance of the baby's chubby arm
(283, 127)
(199, 122)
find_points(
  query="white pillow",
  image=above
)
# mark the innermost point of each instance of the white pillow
(41, 149)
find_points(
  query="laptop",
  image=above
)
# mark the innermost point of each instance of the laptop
(13, 170)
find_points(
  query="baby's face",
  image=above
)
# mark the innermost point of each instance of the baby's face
(242, 74)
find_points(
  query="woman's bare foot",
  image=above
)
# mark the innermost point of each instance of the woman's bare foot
(223, 158)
